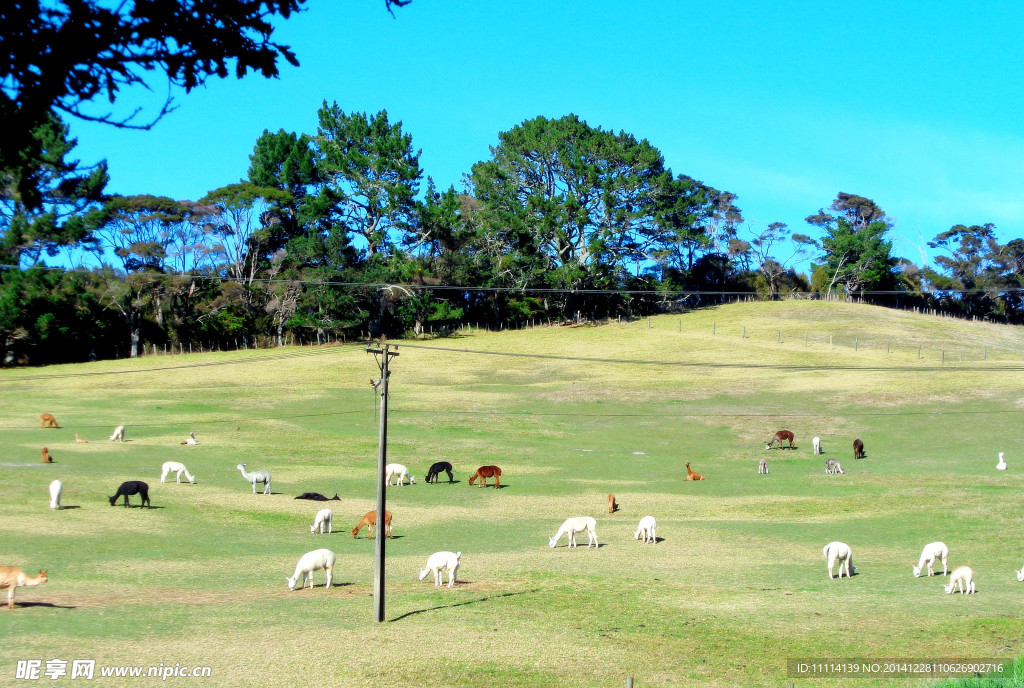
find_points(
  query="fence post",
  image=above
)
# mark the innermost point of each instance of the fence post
(780, 336)
(744, 331)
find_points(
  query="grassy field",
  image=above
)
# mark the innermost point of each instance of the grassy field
(736, 586)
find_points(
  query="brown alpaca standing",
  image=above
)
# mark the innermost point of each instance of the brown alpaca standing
(13, 577)
(370, 520)
(612, 506)
(46, 456)
(81, 440)
(46, 420)
(690, 475)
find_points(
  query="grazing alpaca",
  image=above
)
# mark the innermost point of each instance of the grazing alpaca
(841, 552)
(397, 470)
(12, 577)
(178, 469)
(858, 449)
(816, 443)
(963, 579)
(191, 439)
(577, 525)
(56, 487)
(1001, 466)
(690, 475)
(1020, 575)
(832, 466)
(648, 529)
(437, 468)
(46, 456)
(131, 487)
(613, 506)
(323, 518)
(439, 562)
(780, 437)
(931, 552)
(485, 472)
(118, 435)
(762, 467)
(310, 562)
(46, 420)
(370, 520)
(256, 477)
(81, 440)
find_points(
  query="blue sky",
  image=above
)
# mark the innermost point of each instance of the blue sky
(916, 105)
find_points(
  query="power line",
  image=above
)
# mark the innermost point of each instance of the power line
(526, 289)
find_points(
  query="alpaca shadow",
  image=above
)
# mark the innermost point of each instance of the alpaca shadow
(133, 506)
(44, 604)
(462, 604)
(70, 506)
(444, 482)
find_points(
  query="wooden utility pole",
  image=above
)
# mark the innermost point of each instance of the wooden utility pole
(383, 355)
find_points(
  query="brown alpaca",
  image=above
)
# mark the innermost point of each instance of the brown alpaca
(47, 420)
(82, 440)
(370, 520)
(13, 577)
(690, 475)
(612, 506)
(46, 456)
(485, 472)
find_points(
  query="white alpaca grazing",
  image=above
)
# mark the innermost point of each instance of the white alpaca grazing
(438, 562)
(1001, 466)
(191, 439)
(762, 467)
(176, 468)
(962, 578)
(577, 525)
(931, 552)
(256, 477)
(118, 434)
(832, 466)
(648, 529)
(839, 552)
(310, 562)
(1020, 575)
(399, 471)
(56, 487)
(323, 518)
(817, 445)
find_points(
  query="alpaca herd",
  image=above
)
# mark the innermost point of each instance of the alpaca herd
(836, 554)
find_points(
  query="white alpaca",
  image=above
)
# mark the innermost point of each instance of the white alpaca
(191, 439)
(176, 468)
(648, 529)
(963, 579)
(762, 467)
(439, 562)
(323, 518)
(1020, 575)
(832, 466)
(838, 552)
(399, 471)
(56, 487)
(577, 525)
(310, 562)
(1001, 466)
(817, 445)
(931, 552)
(256, 477)
(118, 434)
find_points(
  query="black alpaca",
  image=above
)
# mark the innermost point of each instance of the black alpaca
(435, 471)
(131, 487)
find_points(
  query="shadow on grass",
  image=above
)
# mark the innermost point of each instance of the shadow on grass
(44, 604)
(462, 604)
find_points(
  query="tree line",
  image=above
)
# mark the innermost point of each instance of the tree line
(339, 233)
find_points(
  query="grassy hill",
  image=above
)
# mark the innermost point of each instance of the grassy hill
(736, 586)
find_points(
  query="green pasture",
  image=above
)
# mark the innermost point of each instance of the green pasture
(735, 587)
